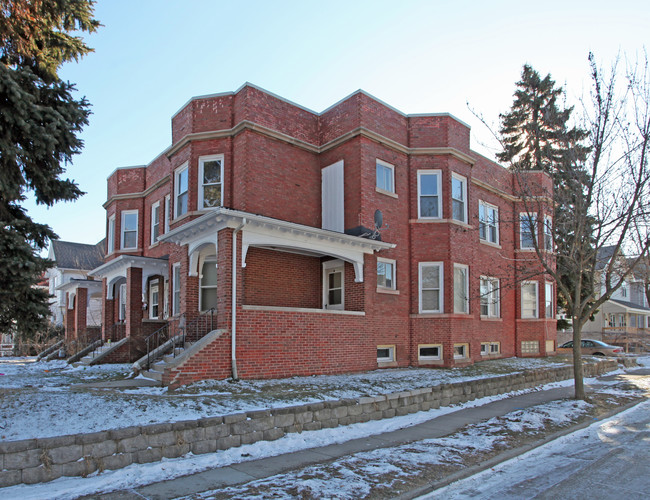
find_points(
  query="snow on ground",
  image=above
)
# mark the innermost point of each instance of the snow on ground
(39, 399)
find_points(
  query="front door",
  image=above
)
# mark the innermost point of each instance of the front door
(333, 289)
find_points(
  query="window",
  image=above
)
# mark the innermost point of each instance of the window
(333, 284)
(550, 346)
(385, 273)
(490, 348)
(459, 197)
(129, 229)
(461, 351)
(548, 233)
(111, 235)
(488, 225)
(548, 300)
(429, 194)
(431, 279)
(155, 222)
(529, 300)
(527, 228)
(180, 191)
(211, 179)
(385, 353)
(121, 313)
(461, 286)
(385, 176)
(167, 214)
(154, 299)
(429, 352)
(624, 289)
(208, 284)
(176, 297)
(489, 297)
(530, 347)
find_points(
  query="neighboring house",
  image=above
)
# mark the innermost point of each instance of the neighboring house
(286, 199)
(625, 318)
(76, 299)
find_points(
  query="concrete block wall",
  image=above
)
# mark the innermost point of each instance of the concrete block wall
(39, 460)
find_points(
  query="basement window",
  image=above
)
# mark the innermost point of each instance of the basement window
(461, 351)
(429, 352)
(385, 353)
(530, 347)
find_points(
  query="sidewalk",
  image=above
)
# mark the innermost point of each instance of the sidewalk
(441, 426)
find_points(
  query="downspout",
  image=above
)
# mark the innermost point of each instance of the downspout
(233, 333)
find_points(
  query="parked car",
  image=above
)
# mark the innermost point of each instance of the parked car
(593, 347)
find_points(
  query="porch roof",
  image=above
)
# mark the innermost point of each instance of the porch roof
(74, 284)
(276, 234)
(115, 269)
(624, 306)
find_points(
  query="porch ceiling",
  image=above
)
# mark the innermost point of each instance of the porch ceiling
(115, 269)
(265, 232)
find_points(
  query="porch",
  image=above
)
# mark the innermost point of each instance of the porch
(626, 324)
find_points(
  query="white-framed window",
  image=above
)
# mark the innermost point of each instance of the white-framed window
(155, 222)
(527, 230)
(430, 285)
(208, 284)
(154, 299)
(386, 273)
(549, 311)
(121, 311)
(181, 187)
(490, 304)
(530, 347)
(429, 352)
(110, 248)
(129, 229)
(461, 351)
(548, 233)
(461, 289)
(458, 197)
(488, 222)
(429, 194)
(529, 299)
(210, 181)
(488, 348)
(176, 289)
(624, 289)
(385, 175)
(167, 214)
(385, 353)
(166, 299)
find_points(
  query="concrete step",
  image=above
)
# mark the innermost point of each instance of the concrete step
(152, 375)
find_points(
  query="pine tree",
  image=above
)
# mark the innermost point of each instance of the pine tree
(536, 135)
(39, 125)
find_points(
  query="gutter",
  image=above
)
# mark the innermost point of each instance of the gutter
(233, 335)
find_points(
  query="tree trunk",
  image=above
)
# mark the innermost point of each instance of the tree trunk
(577, 361)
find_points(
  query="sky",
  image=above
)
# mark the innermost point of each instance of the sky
(437, 56)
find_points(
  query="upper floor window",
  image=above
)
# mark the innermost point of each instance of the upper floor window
(431, 279)
(548, 233)
(167, 214)
(461, 289)
(211, 181)
(459, 197)
(385, 176)
(529, 300)
(155, 222)
(180, 190)
(429, 202)
(129, 229)
(624, 289)
(488, 225)
(386, 273)
(111, 235)
(527, 228)
(489, 297)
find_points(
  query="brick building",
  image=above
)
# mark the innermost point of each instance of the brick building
(285, 200)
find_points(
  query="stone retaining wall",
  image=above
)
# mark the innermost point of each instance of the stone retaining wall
(39, 460)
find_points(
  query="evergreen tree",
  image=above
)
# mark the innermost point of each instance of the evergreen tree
(536, 135)
(39, 125)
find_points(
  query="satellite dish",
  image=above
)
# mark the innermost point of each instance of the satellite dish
(379, 219)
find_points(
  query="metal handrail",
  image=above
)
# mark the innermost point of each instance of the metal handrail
(198, 328)
(115, 333)
(160, 336)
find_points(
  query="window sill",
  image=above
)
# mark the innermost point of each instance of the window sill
(489, 244)
(387, 193)
(491, 318)
(127, 250)
(388, 291)
(432, 220)
(302, 309)
(154, 245)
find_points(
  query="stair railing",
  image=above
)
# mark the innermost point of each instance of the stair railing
(162, 335)
(198, 328)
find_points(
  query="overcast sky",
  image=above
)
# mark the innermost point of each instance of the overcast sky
(152, 56)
